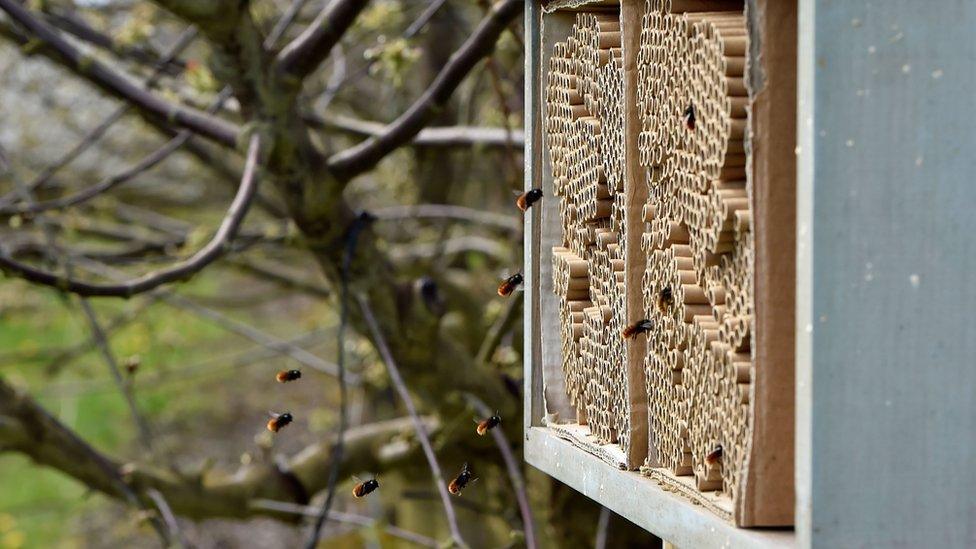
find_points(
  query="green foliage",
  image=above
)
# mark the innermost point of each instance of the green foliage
(392, 59)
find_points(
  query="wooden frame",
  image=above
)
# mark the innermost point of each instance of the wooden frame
(565, 452)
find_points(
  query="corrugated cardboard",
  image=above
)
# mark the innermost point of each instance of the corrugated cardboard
(767, 497)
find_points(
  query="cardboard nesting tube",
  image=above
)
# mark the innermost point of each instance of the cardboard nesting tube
(736, 87)
(609, 39)
(693, 294)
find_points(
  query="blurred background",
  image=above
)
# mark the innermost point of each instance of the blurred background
(199, 357)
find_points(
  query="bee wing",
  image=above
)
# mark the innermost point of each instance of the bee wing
(273, 415)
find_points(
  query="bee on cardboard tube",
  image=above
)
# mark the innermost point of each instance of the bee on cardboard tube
(714, 456)
(665, 298)
(464, 478)
(639, 327)
(488, 424)
(365, 488)
(278, 421)
(689, 117)
(284, 376)
(528, 198)
(510, 284)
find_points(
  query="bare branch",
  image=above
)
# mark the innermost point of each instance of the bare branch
(481, 43)
(494, 336)
(347, 518)
(27, 428)
(418, 425)
(306, 52)
(164, 509)
(78, 27)
(279, 275)
(96, 133)
(146, 163)
(119, 85)
(180, 271)
(449, 136)
(514, 473)
(424, 18)
(352, 236)
(142, 426)
(447, 211)
(268, 341)
(287, 18)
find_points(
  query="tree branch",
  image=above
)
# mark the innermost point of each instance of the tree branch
(119, 85)
(367, 154)
(179, 271)
(449, 136)
(27, 428)
(306, 52)
(347, 518)
(397, 380)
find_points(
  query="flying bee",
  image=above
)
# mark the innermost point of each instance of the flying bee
(509, 284)
(488, 424)
(638, 327)
(462, 480)
(132, 364)
(689, 117)
(285, 376)
(712, 457)
(528, 198)
(665, 298)
(278, 421)
(365, 488)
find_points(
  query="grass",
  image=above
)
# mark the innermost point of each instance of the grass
(40, 507)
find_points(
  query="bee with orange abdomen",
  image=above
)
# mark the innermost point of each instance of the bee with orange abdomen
(528, 198)
(488, 424)
(365, 488)
(712, 457)
(285, 376)
(639, 327)
(665, 299)
(278, 421)
(463, 479)
(509, 284)
(689, 117)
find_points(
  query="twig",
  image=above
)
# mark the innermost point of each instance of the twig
(273, 272)
(363, 156)
(424, 18)
(178, 271)
(445, 211)
(514, 473)
(174, 528)
(67, 354)
(348, 518)
(271, 342)
(142, 427)
(498, 329)
(602, 527)
(336, 78)
(438, 136)
(450, 246)
(102, 342)
(287, 18)
(352, 236)
(96, 133)
(419, 427)
(119, 85)
(186, 374)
